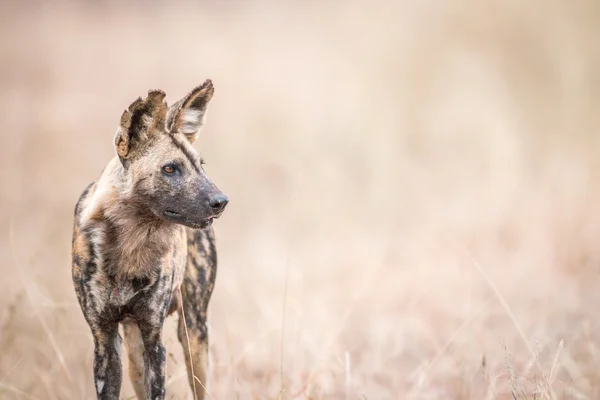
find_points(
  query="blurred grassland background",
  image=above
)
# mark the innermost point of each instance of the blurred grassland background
(422, 174)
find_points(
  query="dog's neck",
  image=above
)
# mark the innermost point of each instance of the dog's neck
(134, 240)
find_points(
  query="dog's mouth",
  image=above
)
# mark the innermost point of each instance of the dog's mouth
(192, 223)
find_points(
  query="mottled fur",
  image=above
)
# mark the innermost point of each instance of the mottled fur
(141, 233)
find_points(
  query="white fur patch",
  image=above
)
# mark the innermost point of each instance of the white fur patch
(104, 188)
(100, 385)
(118, 345)
(190, 121)
(150, 374)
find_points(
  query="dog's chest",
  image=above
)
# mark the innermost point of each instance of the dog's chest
(129, 251)
(136, 273)
(167, 274)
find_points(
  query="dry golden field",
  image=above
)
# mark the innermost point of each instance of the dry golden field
(414, 208)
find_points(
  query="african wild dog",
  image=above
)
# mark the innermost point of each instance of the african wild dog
(142, 242)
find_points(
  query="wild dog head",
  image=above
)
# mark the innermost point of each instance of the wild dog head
(163, 172)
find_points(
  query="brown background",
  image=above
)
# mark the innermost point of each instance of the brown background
(423, 173)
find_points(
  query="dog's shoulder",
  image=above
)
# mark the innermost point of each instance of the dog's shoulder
(87, 192)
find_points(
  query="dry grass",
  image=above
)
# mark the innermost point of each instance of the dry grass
(414, 200)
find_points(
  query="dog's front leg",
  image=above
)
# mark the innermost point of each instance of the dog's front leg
(107, 360)
(155, 363)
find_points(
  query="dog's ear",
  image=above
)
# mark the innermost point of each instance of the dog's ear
(188, 114)
(142, 119)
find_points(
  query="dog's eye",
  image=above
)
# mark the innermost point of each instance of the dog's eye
(169, 169)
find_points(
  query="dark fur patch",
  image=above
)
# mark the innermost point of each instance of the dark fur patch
(140, 120)
(199, 96)
(191, 157)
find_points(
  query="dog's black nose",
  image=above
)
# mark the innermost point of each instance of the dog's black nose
(218, 202)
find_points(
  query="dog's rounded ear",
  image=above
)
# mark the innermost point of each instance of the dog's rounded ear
(139, 121)
(189, 114)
